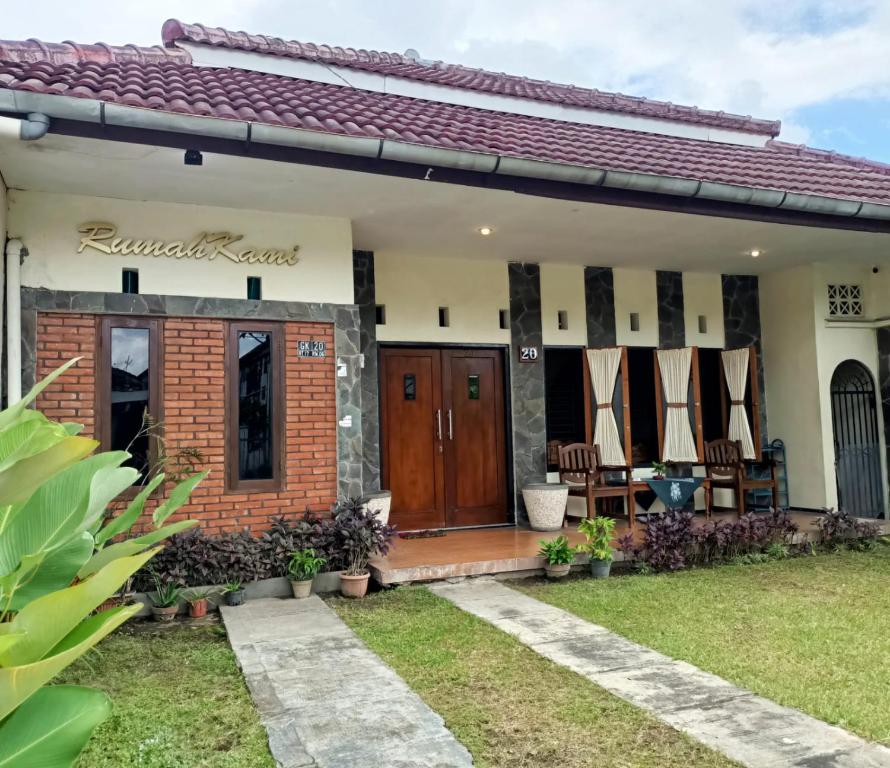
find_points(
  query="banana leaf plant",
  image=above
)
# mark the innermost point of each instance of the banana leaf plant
(58, 564)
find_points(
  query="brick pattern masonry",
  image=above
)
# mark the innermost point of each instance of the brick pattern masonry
(193, 401)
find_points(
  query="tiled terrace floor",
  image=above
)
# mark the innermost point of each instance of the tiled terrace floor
(508, 551)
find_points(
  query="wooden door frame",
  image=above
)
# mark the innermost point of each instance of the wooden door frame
(506, 369)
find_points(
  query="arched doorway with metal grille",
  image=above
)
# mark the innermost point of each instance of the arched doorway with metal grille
(857, 447)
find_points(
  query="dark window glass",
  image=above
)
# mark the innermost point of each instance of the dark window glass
(130, 377)
(410, 386)
(130, 281)
(643, 418)
(563, 400)
(473, 386)
(255, 444)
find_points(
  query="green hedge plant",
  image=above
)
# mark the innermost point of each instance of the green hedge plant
(58, 564)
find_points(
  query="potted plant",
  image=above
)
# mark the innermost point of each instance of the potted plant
(558, 557)
(234, 592)
(165, 600)
(301, 570)
(197, 600)
(598, 531)
(545, 504)
(360, 535)
(659, 470)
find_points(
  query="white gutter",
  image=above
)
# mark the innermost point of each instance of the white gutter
(14, 249)
(29, 128)
(94, 111)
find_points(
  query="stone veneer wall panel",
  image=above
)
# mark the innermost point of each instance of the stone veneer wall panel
(599, 297)
(526, 381)
(671, 313)
(345, 358)
(365, 299)
(741, 323)
(884, 375)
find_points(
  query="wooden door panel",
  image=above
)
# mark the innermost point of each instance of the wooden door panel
(475, 476)
(411, 399)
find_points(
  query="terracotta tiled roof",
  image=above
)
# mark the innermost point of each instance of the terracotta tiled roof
(275, 100)
(457, 76)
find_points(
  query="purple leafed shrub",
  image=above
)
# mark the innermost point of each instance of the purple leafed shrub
(195, 559)
(672, 542)
(839, 529)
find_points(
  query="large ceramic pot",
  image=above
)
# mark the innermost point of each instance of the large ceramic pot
(545, 504)
(379, 504)
(164, 613)
(354, 586)
(600, 569)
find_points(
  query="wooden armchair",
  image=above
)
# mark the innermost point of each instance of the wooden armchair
(725, 468)
(581, 467)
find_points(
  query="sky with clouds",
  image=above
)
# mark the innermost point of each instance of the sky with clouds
(821, 66)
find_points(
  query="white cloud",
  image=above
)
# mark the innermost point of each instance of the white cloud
(755, 57)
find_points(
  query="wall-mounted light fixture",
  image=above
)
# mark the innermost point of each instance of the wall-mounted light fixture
(193, 157)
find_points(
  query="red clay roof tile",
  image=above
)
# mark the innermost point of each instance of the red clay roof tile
(253, 96)
(457, 76)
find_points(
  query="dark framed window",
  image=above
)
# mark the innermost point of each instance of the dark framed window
(254, 406)
(128, 396)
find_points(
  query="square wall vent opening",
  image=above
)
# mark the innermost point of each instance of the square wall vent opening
(380, 314)
(562, 320)
(254, 288)
(635, 321)
(503, 319)
(444, 319)
(130, 281)
(702, 323)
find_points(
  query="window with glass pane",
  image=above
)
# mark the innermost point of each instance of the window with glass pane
(130, 390)
(255, 406)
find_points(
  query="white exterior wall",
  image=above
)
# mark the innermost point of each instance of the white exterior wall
(837, 344)
(635, 291)
(413, 288)
(48, 225)
(562, 288)
(703, 295)
(790, 361)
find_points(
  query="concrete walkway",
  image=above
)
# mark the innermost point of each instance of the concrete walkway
(325, 699)
(752, 730)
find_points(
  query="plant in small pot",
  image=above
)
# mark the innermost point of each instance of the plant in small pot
(165, 600)
(558, 557)
(234, 592)
(302, 569)
(360, 536)
(198, 601)
(659, 470)
(598, 531)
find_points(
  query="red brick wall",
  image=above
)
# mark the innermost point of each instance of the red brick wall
(193, 396)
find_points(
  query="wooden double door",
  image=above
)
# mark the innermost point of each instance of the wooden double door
(442, 436)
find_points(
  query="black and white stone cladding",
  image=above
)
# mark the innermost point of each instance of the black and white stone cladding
(599, 300)
(671, 317)
(526, 381)
(741, 324)
(884, 376)
(366, 301)
(346, 353)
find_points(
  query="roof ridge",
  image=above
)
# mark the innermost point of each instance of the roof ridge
(175, 31)
(829, 155)
(33, 51)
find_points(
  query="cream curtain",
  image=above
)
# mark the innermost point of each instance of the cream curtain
(675, 366)
(604, 365)
(735, 367)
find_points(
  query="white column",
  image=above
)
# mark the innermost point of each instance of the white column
(14, 321)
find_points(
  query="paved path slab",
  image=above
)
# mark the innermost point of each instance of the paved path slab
(752, 730)
(326, 700)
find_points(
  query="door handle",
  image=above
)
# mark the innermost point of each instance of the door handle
(438, 424)
(450, 426)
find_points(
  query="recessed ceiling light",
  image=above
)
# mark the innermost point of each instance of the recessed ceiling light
(485, 231)
(755, 254)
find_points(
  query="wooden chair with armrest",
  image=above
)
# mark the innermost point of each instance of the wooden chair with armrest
(725, 468)
(581, 467)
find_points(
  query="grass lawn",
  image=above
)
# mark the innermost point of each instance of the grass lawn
(811, 633)
(179, 702)
(509, 706)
